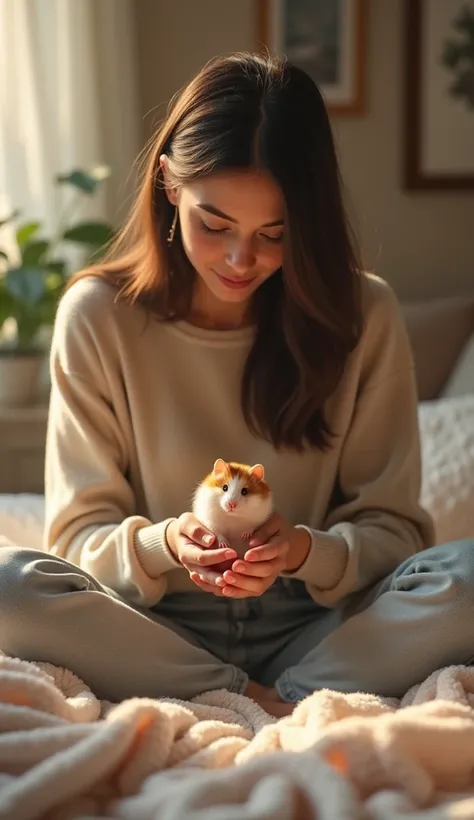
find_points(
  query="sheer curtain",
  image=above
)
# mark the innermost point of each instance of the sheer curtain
(68, 98)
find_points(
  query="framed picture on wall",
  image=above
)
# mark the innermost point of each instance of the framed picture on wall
(327, 38)
(439, 95)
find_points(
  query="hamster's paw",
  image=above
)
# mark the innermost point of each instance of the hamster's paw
(222, 543)
(246, 536)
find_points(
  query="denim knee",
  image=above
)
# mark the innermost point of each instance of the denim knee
(29, 581)
(15, 580)
(456, 558)
(446, 570)
(17, 599)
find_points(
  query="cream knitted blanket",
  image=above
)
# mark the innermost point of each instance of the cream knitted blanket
(64, 754)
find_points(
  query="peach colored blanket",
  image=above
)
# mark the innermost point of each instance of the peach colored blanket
(64, 754)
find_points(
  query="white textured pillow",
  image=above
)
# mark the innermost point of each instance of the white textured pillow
(447, 440)
(21, 520)
(461, 381)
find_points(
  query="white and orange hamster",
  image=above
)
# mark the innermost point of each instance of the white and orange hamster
(233, 501)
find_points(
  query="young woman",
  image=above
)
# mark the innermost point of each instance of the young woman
(233, 320)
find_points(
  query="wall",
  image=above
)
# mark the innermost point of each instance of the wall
(423, 243)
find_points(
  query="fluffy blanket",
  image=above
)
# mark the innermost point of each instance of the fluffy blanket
(64, 754)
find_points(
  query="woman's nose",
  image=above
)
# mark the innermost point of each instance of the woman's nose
(241, 257)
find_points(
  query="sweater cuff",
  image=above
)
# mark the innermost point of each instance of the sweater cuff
(152, 549)
(326, 561)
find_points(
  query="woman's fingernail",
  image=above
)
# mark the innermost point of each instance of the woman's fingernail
(220, 581)
(230, 554)
(230, 579)
(208, 539)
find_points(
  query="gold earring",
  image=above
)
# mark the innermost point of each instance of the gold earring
(172, 230)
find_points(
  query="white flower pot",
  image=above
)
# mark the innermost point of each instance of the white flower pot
(19, 378)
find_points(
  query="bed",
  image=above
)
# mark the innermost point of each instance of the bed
(65, 754)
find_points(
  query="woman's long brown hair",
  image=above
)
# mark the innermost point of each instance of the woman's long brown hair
(243, 111)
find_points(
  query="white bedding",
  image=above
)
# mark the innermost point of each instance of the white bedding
(447, 438)
(64, 755)
(21, 520)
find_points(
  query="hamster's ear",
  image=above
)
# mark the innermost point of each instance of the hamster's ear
(221, 469)
(258, 472)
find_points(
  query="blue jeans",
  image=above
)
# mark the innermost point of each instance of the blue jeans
(381, 640)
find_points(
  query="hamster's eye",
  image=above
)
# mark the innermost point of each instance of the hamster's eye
(244, 491)
(225, 488)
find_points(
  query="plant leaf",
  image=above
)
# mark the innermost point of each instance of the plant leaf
(26, 232)
(85, 181)
(26, 284)
(78, 179)
(54, 284)
(58, 266)
(47, 312)
(464, 22)
(28, 323)
(90, 233)
(49, 303)
(33, 251)
(450, 56)
(6, 302)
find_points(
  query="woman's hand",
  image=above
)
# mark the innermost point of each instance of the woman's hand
(274, 547)
(193, 546)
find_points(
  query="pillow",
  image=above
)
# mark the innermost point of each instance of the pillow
(461, 381)
(21, 520)
(438, 331)
(447, 445)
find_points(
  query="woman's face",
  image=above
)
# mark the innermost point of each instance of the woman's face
(232, 231)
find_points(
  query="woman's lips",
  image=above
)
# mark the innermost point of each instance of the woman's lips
(237, 283)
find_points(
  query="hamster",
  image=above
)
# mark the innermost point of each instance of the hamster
(233, 501)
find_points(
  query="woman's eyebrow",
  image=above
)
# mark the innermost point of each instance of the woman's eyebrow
(206, 206)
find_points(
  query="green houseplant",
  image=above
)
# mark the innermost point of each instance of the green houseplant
(32, 283)
(458, 56)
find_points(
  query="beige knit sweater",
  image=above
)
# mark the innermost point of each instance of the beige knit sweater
(140, 410)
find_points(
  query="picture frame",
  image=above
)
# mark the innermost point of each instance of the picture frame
(327, 39)
(438, 117)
